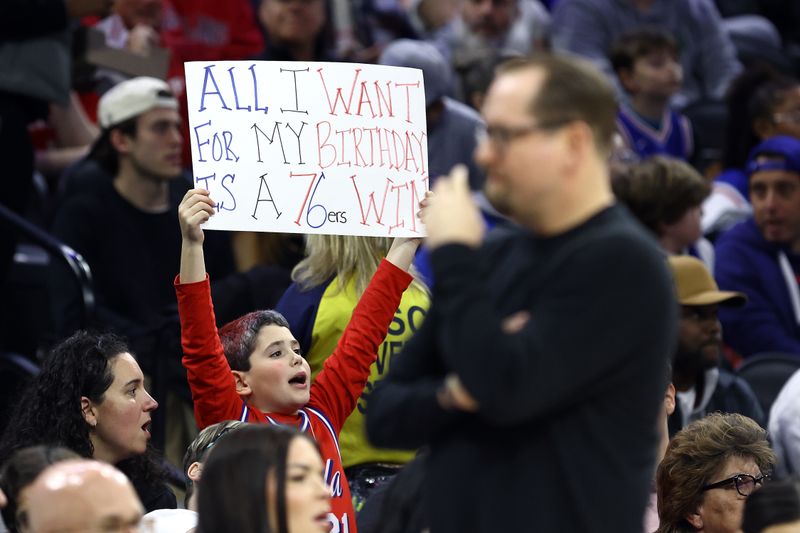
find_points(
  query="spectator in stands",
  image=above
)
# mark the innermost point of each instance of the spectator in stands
(710, 468)
(205, 30)
(120, 216)
(512, 26)
(297, 30)
(774, 509)
(519, 25)
(252, 369)
(185, 520)
(589, 28)
(80, 495)
(702, 386)
(646, 64)
(665, 194)
(784, 427)
(433, 21)
(279, 462)
(328, 284)
(20, 470)
(197, 453)
(761, 256)
(520, 358)
(90, 398)
(452, 126)
(133, 24)
(760, 104)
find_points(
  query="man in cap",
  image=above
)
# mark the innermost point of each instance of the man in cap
(80, 495)
(702, 386)
(761, 256)
(120, 216)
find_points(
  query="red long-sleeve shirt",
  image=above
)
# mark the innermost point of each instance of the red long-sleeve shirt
(334, 393)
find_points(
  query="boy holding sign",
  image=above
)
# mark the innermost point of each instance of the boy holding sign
(252, 369)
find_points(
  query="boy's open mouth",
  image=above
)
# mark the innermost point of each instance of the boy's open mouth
(299, 379)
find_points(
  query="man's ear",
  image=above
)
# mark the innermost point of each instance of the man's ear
(242, 387)
(194, 471)
(88, 411)
(578, 137)
(669, 399)
(119, 140)
(695, 519)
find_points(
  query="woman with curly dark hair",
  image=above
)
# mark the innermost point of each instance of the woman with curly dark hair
(90, 398)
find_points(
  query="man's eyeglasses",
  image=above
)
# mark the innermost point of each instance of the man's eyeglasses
(745, 483)
(501, 136)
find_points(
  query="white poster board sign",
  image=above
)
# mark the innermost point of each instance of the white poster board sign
(294, 147)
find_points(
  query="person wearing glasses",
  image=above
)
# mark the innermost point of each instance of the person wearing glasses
(536, 376)
(776, 509)
(710, 468)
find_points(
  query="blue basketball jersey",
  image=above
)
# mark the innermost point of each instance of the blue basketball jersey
(674, 138)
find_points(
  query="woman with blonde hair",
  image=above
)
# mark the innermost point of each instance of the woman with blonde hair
(326, 286)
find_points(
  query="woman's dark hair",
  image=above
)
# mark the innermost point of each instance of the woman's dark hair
(753, 95)
(49, 410)
(232, 497)
(777, 502)
(21, 469)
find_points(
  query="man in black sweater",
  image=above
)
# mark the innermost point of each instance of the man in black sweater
(121, 216)
(537, 376)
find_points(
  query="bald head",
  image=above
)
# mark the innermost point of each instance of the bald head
(80, 495)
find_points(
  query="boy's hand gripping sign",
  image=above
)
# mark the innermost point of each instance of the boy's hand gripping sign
(334, 148)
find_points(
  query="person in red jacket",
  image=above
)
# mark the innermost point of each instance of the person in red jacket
(252, 370)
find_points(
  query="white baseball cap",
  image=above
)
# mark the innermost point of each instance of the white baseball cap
(133, 97)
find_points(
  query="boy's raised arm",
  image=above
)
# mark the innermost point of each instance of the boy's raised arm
(195, 208)
(207, 370)
(345, 373)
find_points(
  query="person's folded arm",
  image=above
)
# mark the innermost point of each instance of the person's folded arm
(607, 303)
